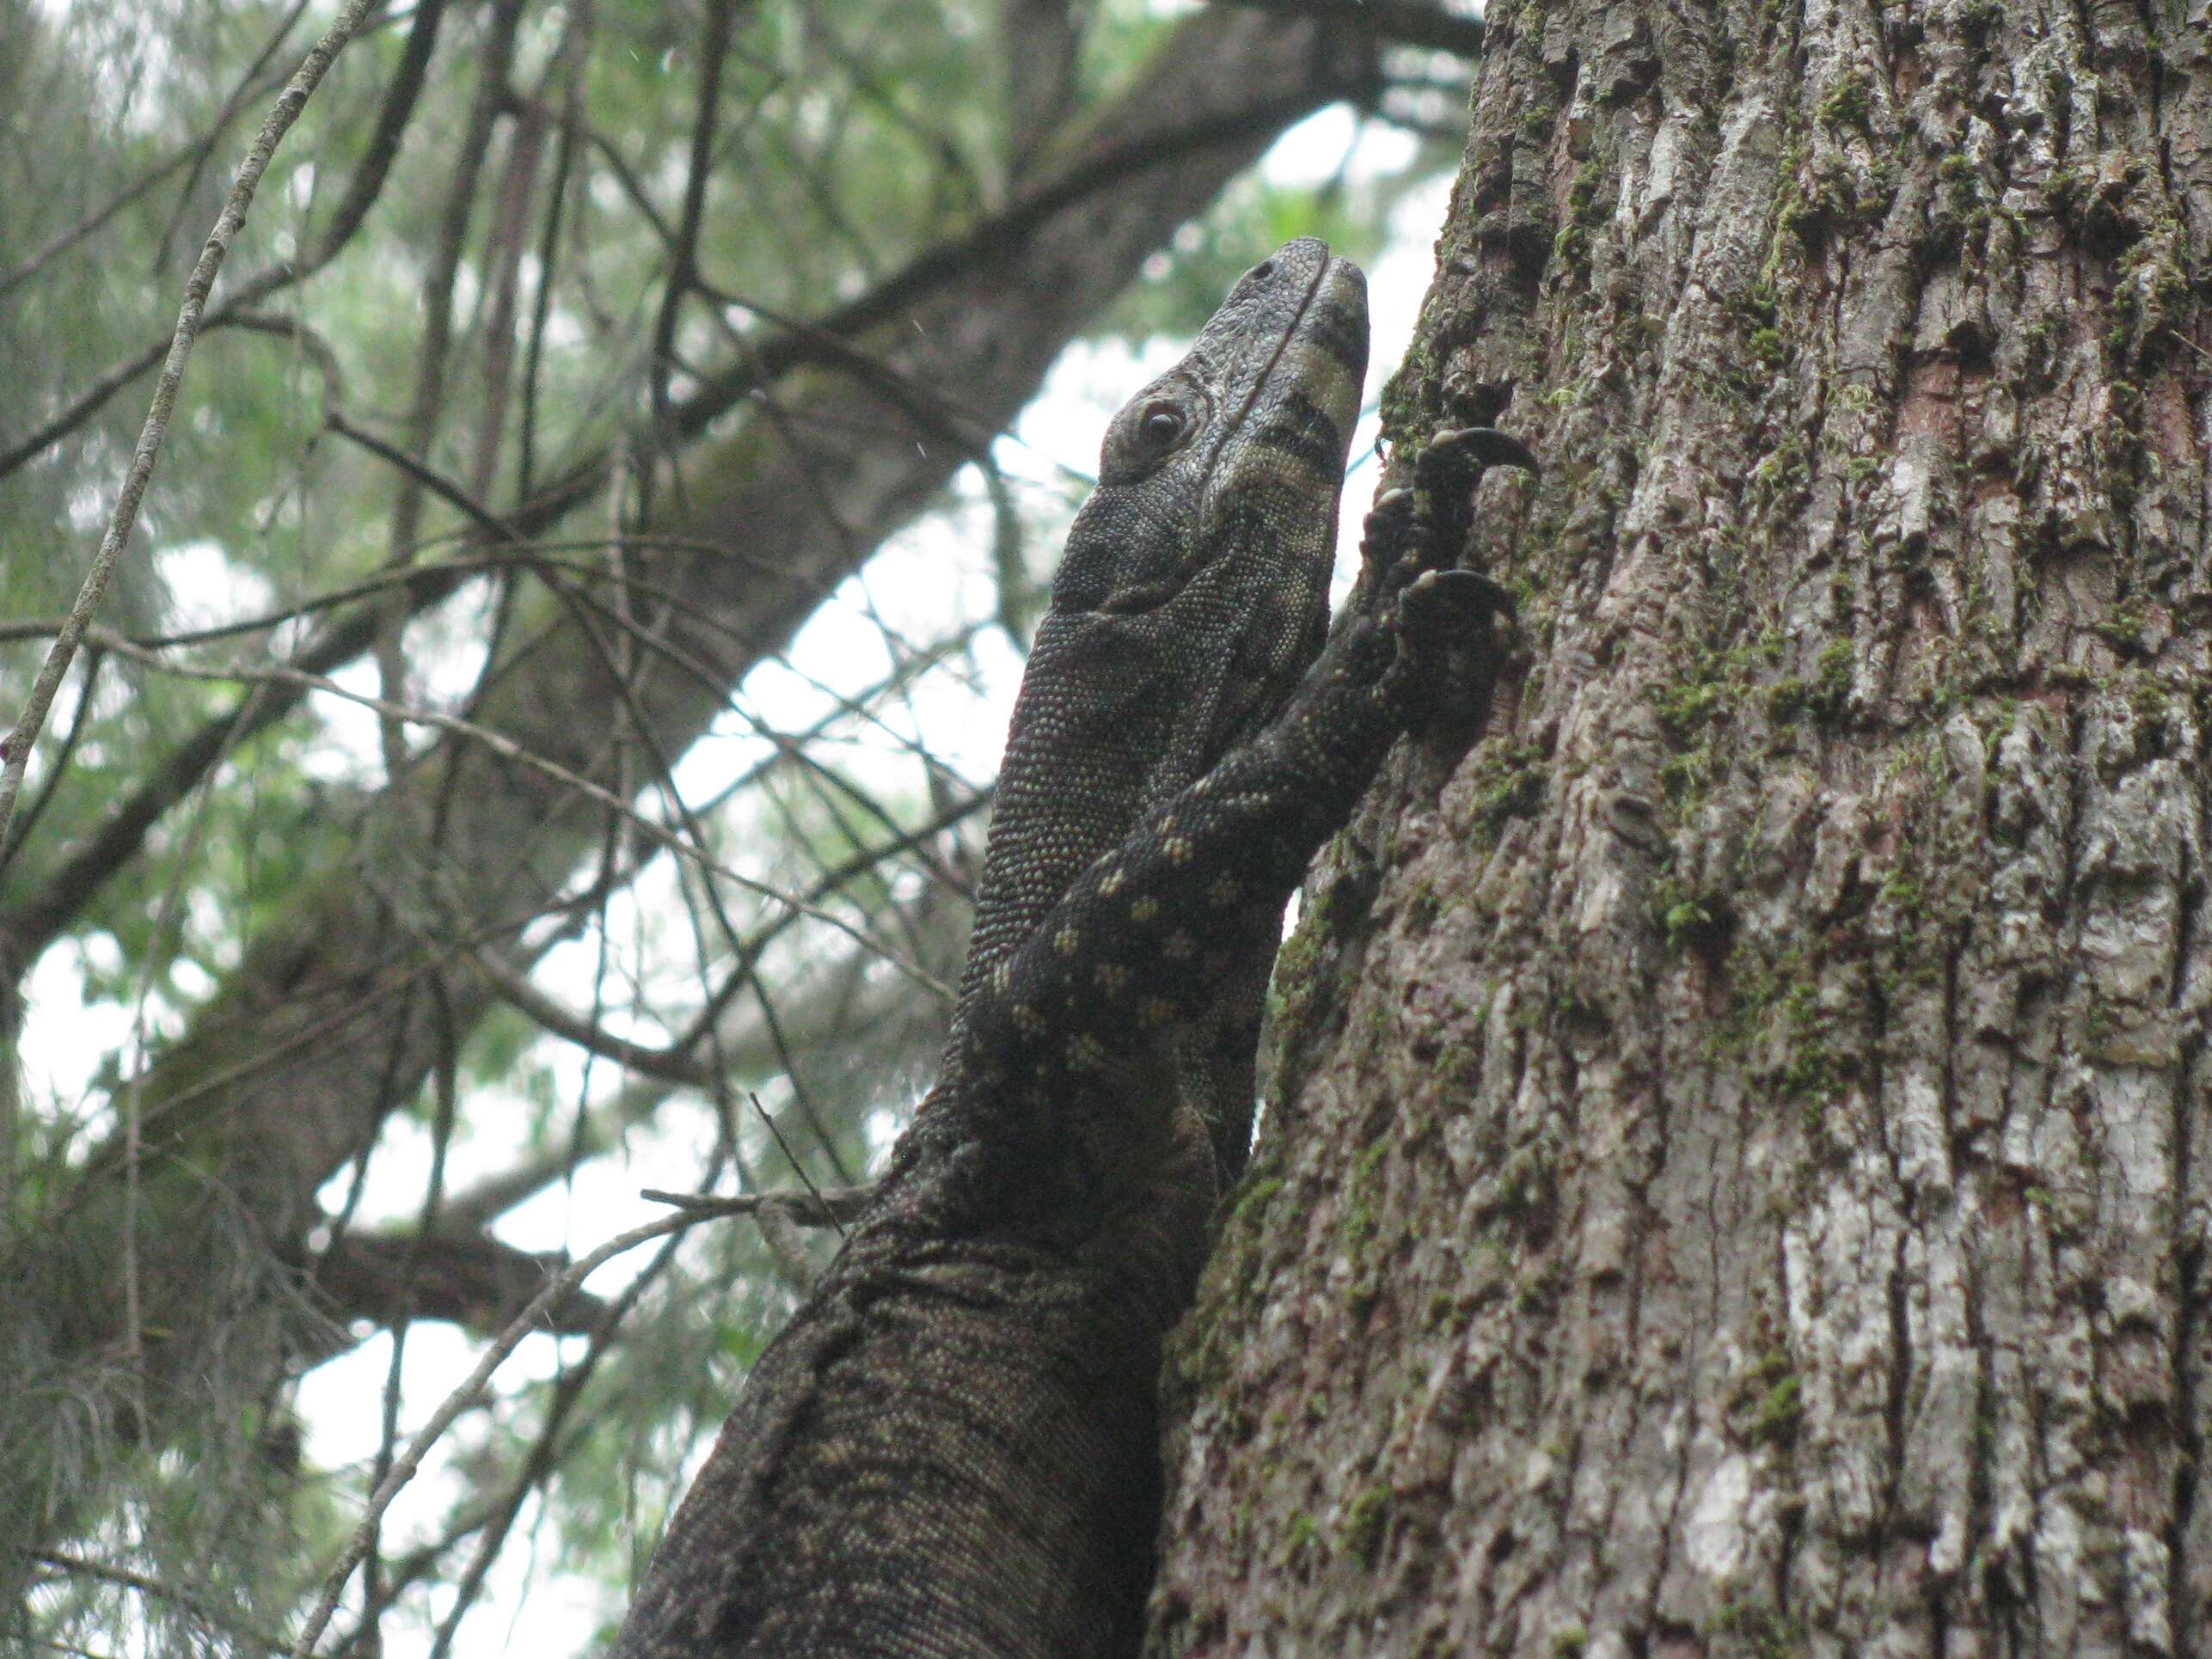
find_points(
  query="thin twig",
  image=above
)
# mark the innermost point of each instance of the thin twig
(49, 786)
(422, 475)
(830, 1208)
(121, 522)
(683, 263)
(428, 405)
(471, 1389)
(789, 1156)
(508, 750)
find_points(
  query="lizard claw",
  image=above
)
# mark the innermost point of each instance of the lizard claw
(1423, 527)
(1442, 630)
(1447, 471)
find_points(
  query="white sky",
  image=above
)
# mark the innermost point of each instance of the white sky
(65, 1037)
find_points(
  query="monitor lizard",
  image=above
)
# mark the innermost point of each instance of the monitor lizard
(952, 1448)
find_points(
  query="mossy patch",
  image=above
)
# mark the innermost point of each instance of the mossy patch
(1849, 103)
(1359, 1532)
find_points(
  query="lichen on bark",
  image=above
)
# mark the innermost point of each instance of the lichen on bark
(1732, 1184)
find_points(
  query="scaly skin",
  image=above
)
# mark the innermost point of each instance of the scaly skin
(951, 1451)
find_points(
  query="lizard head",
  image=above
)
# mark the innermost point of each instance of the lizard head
(1196, 578)
(1241, 442)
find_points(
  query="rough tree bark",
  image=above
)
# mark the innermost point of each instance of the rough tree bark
(1729, 1185)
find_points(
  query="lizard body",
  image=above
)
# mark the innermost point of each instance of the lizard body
(1192, 593)
(950, 1453)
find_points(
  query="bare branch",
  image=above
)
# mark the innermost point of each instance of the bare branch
(683, 263)
(93, 657)
(426, 476)
(434, 349)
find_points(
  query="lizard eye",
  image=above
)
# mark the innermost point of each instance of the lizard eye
(1160, 426)
(1148, 431)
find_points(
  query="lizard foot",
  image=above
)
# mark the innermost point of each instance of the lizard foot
(1423, 526)
(1387, 538)
(1433, 645)
(1444, 632)
(1484, 447)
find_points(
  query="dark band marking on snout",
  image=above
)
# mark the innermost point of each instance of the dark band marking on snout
(1339, 329)
(1299, 426)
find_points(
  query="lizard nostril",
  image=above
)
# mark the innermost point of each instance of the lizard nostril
(1263, 270)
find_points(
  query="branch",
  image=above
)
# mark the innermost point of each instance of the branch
(683, 263)
(29, 820)
(423, 474)
(669, 1065)
(468, 1279)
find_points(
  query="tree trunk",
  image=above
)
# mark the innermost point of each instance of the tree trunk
(1728, 1187)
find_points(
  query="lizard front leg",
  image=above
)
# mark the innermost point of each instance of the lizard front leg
(1144, 933)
